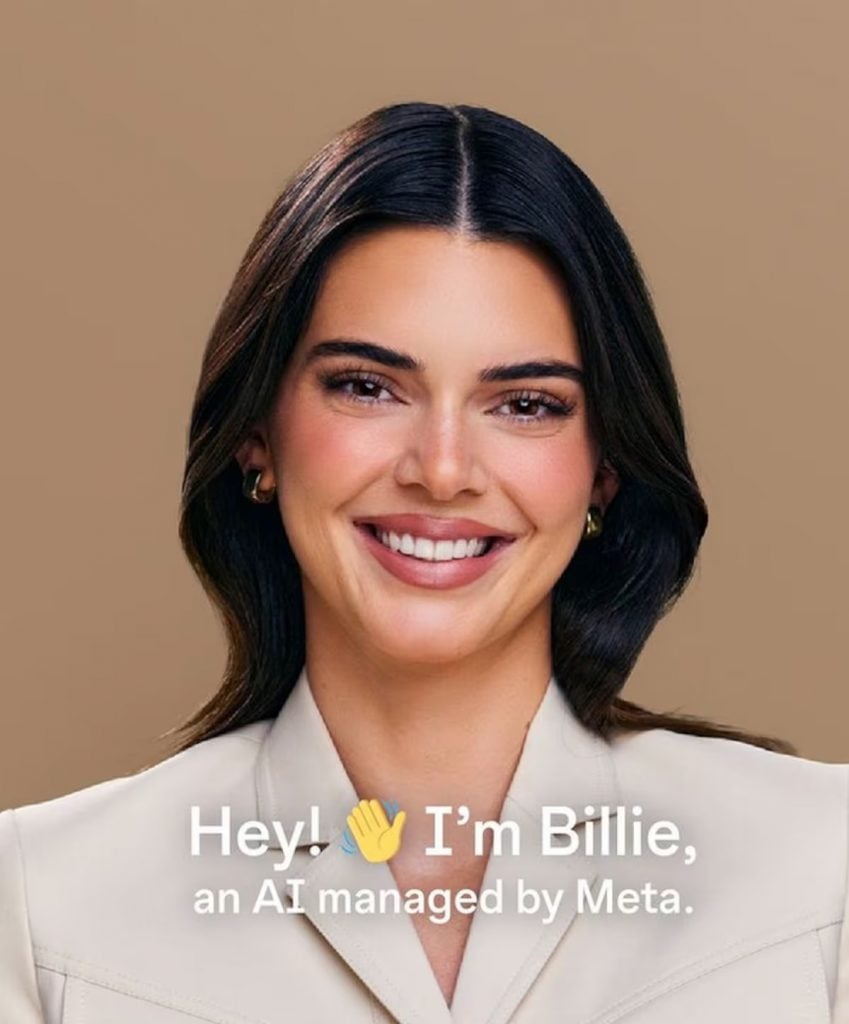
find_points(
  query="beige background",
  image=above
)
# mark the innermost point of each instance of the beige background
(143, 143)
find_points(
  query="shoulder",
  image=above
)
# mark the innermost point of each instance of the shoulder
(212, 768)
(774, 828)
(82, 873)
(76, 869)
(733, 787)
(93, 839)
(701, 757)
(771, 838)
(735, 781)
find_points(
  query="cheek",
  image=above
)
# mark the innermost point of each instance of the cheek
(550, 480)
(326, 451)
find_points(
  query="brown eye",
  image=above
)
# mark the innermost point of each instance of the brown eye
(528, 404)
(369, 383)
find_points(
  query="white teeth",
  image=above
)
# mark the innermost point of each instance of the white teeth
(430, 551)
(424, 549)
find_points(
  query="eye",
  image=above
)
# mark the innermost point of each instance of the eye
(369, 385)
(529, 402)
(366, 386)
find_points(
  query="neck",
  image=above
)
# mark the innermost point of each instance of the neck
(448, 734)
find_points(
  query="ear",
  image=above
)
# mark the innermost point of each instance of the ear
(255, 453)
(606, 484)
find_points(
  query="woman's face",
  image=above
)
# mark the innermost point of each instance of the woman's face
(423, 427)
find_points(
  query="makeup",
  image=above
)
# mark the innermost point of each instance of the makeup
(430, 574)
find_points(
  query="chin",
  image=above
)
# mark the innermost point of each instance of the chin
(425, 646)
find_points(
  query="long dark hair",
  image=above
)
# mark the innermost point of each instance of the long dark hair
(473, 170)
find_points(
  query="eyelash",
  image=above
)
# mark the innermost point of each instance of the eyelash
(334, 382)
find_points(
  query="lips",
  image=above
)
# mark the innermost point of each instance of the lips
(434, 575)
(435, 527)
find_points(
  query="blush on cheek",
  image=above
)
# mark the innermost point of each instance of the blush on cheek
(553, 481)
(332, 448)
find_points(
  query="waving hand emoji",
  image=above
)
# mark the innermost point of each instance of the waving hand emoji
(376, 838)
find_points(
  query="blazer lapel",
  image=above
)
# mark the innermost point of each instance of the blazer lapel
(561, 763)
(299, 767)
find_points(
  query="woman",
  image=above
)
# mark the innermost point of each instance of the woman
(438, 487)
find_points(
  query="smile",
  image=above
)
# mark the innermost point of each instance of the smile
(433, 551)
(435, 564)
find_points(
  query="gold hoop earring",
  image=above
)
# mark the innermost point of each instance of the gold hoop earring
(250, 488)
(593, 525)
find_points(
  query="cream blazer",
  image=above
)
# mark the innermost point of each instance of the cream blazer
(99, 922)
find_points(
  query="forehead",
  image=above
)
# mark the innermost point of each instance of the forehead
(440, 293)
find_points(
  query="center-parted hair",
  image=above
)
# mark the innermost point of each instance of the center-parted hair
(472, 170)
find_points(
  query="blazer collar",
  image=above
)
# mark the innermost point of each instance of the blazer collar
(299, 767)
(561, 763)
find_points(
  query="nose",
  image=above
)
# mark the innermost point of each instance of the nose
(442, 455)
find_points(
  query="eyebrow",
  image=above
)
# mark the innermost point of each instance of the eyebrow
(401, 361)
